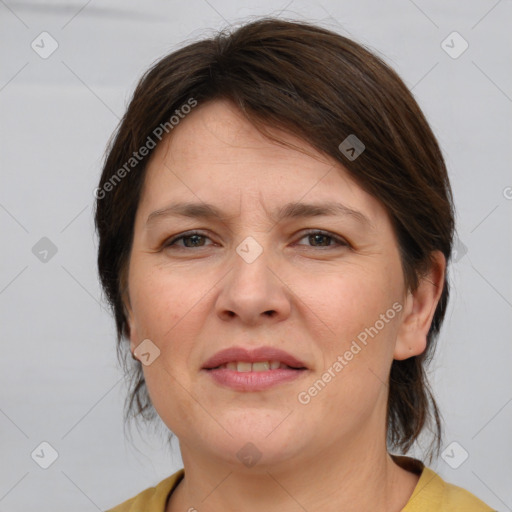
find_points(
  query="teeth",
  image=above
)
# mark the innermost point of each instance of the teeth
(261, 366)
(243, 367)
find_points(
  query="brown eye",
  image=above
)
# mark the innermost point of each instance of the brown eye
(190, 240)
(323, 239)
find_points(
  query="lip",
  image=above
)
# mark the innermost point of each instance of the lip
(252, 356)
(253, 381)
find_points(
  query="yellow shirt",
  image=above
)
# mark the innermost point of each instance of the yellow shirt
(431, 494)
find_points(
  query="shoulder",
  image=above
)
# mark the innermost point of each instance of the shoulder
(152, 499)
(456, 498)
(434, 493)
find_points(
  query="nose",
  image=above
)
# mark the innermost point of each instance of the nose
(253, 291)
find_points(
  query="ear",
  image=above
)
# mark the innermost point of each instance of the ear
(419, 310)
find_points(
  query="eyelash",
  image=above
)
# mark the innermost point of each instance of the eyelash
(340, 241)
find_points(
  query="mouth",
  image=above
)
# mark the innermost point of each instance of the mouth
(253, 370)
(256, 359)
(259, 366)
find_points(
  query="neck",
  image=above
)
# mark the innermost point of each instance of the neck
(339, 479)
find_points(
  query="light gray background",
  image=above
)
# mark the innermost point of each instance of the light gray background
(58, 372)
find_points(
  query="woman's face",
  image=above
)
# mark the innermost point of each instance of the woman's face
(333, 300)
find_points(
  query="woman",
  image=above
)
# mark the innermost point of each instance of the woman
(275, 223)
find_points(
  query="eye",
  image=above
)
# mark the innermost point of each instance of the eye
(190, 240)
(323, 239)
(196, 239)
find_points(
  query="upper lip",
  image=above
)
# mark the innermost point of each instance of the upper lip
(252, 355)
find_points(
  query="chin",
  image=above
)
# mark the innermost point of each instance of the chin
(258, 443)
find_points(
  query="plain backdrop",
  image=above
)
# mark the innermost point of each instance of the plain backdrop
(59, 378)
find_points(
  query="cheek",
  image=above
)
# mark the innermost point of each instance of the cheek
(348, 302)
(161, 301)
(358, 346)
(169, 309)
(165, 306)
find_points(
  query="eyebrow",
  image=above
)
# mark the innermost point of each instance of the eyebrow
(288, 211)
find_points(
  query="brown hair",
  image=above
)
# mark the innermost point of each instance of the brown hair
(322, 87)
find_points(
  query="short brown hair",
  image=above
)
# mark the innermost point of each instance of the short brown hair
(322, 87)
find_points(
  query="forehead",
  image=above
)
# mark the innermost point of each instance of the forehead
(216, 155)
(220, 127)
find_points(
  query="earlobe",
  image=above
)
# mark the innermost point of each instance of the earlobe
(419, 310)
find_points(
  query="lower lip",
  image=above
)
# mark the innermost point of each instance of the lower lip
(253, 381)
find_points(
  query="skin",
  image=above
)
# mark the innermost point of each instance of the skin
(191, 302)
